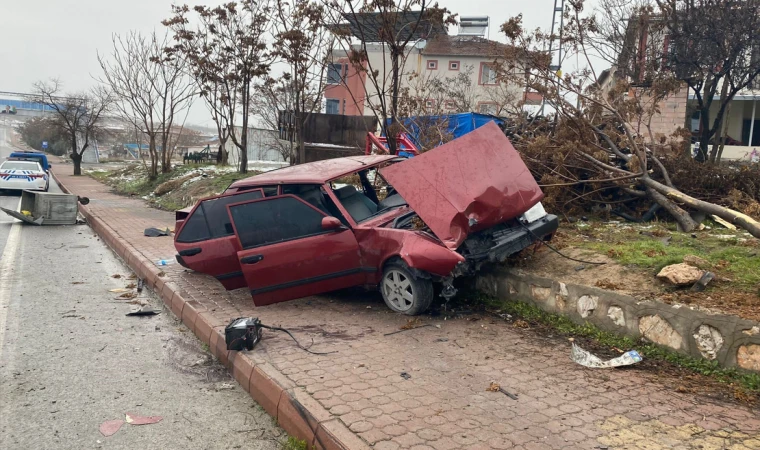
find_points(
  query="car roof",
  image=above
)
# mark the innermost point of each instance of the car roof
(317, 172)
(22, 161)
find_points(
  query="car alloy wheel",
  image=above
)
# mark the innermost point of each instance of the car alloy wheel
(398, 289)
(404, 292)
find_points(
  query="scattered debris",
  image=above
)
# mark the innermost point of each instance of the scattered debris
(77, 282)
(110, 427)
(127, 295)
(701, 284)
(404, 328)
(134, 419)
(519, 323)
(131, 286)
(116, 275)
(405, 375)
(442, 340)
(587, 359)
(145, 310)
(117, 290)
(140, 285)
(155, 232)
(495, 387)
(680, 274)
(726, 224)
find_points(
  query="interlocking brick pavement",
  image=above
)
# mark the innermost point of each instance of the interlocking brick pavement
(358, 392)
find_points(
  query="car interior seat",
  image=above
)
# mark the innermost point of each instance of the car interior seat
(356, 203)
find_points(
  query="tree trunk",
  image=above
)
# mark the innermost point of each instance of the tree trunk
(76, 158)
(741, 220)
(721, 129)
(221, 157)
(243, 151)
(153, 172)
(390, 132)
(683, 218)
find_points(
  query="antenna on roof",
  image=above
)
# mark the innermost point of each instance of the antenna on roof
(478, 26)
(558, 22)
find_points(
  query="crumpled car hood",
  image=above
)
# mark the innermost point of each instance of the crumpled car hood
(466, 185)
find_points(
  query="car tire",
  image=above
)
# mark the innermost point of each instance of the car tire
(403, 292)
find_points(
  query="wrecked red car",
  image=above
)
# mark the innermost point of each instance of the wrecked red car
(376, 221)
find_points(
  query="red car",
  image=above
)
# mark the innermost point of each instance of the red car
(377, 221)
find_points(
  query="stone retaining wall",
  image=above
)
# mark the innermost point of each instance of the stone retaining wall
(729, 340)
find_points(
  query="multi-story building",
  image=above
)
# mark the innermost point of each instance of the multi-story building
(468, 59)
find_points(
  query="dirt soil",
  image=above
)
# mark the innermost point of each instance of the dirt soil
(634, 254)
(610, 275)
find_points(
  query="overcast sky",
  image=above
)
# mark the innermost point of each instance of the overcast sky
(41, 39)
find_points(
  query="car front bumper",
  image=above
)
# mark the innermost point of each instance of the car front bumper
(509, 241)
(18, 184)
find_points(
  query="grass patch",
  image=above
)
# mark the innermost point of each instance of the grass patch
(730, 253)
(566, 327)
(133, 181)
(294, 444)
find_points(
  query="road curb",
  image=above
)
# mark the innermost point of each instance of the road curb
(294, 410)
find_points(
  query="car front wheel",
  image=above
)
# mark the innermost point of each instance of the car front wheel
(404, 292)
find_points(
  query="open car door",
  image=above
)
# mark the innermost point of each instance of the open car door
(290, 249)
(206, 241)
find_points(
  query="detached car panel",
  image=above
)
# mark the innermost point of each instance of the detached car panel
(466, 185)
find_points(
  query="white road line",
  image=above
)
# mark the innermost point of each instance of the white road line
(6, 274)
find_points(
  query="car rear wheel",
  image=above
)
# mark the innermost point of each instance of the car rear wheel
(404, 292)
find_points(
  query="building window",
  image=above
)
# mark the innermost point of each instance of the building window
(487, 108)
(487, 74)
(432, 64)
(332, 106)
(449, 105)
(695, 119)
(453, 65)
(335, 73)
(429, 104)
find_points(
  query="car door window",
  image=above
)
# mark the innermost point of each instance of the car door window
(195, 228)
(210, 219)
(275, 220)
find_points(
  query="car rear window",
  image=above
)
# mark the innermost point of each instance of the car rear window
(210, 219)
(195, 228)
(275, 220)
(20, 165)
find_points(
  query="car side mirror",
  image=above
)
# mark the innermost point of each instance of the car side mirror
(330, 223)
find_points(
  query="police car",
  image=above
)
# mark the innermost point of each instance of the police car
(23, 175)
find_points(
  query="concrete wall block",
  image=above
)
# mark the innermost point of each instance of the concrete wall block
(729, 340)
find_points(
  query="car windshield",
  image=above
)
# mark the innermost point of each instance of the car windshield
(366, 194)
(19, 165)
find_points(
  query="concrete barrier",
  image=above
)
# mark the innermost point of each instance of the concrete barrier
(729, 340)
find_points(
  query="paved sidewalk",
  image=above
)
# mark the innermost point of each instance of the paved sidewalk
(356, 398)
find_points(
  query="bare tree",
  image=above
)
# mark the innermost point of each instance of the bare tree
(302, 42)
(594, 143)
(225, 54)
(78, 115)
(275, 98)
(395, 26)
(152, 91)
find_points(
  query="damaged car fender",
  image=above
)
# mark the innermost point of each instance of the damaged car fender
(418, 251)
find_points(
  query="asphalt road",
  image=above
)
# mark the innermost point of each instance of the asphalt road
(70, 359)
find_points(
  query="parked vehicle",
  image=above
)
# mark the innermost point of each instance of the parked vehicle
(18, 175)
(377, 221)
(24, 155)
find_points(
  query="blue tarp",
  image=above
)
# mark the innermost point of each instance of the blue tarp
(458, 124)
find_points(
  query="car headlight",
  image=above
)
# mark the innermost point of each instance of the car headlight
(533, 214)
